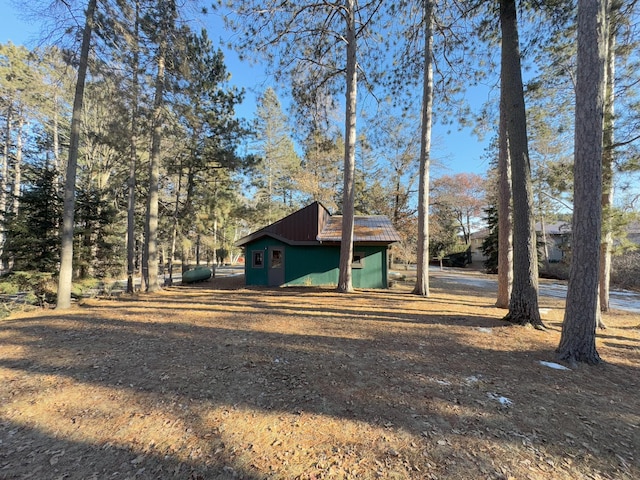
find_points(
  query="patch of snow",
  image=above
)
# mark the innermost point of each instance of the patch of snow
(619, 299)
(485, 330)
(553, 365)
(544, 311)
(626, 293)
(504, 401)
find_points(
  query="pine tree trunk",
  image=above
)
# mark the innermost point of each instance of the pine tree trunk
(172, 252)
(198, 249)
(66, 251)
(422, 270)
(345, 284)
(523, 303)
(17, 168)
(55, 136)
(607, 175)
(133, 152)
(174, 229)
(4, 170)
(577, 341)
(150, 265)
(131, 205)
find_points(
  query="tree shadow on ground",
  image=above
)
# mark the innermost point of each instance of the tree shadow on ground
(29, 452)
(293, 357)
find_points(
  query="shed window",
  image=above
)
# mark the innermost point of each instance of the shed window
(358, 260)
(276, 258)
(258, 258)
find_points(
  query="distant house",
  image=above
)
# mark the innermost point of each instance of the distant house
(304, 249)
(556, 236)
(557, 240)
(475, 240)
(633, 233)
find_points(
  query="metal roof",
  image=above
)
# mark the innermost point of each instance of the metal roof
(314, 224)
(370, 228)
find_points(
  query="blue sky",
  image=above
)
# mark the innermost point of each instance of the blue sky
(457, 150)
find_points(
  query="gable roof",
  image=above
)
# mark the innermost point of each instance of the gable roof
(301, 227)
(314, 224)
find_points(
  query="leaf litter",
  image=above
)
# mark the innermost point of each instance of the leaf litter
(217, 381)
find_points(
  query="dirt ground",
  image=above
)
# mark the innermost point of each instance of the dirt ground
(220, 381)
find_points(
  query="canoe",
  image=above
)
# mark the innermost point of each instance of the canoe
(198, 274)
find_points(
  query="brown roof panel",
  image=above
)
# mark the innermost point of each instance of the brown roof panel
(301, 226)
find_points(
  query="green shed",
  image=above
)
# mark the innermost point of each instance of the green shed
(304, 249)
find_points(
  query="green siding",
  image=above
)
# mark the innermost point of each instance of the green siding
(258, 276)
(312, 265)
(317, 265)
(374, 273)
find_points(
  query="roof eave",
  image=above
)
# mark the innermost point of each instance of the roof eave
(258, 235)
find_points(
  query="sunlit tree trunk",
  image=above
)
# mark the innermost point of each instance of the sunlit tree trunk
(150, 258)
(55, 135)
(607, 175)
(348, 200)
(578, 338)
(66, 251)
(17, 168)
(133, 160)
(422, 271)
(4, 171)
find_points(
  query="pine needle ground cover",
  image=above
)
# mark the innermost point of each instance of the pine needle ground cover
(218, 381)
